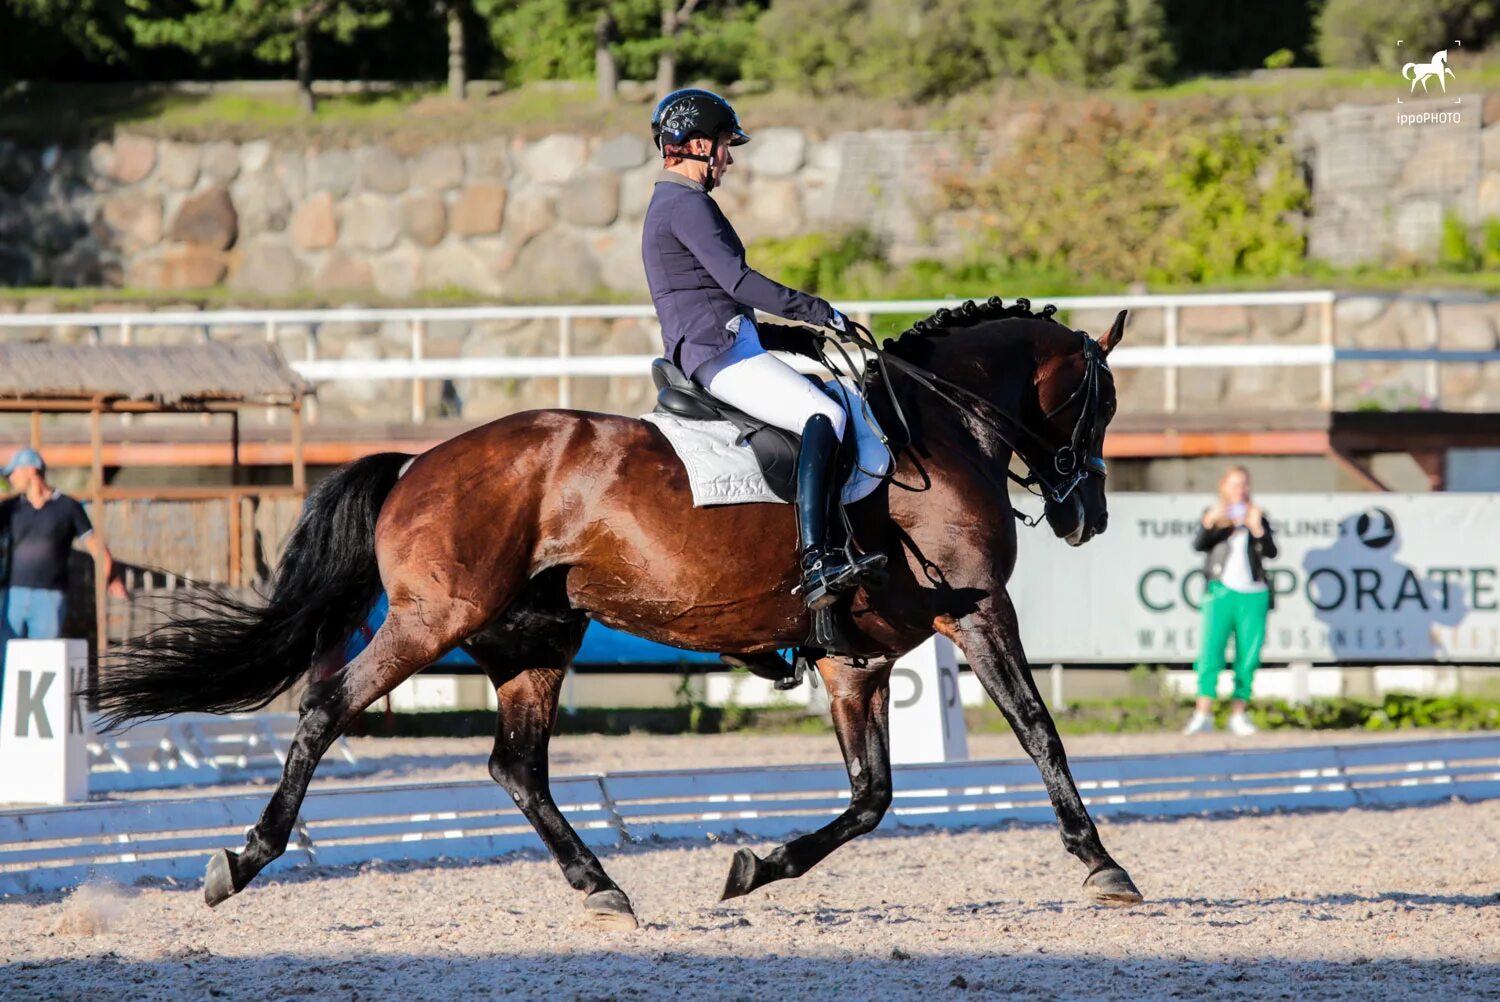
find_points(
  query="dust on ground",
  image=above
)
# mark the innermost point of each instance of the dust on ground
(1401, 904)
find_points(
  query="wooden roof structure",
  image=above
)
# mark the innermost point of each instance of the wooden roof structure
(162, 378)
(52, 378)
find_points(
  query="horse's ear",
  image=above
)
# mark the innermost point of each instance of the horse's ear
(1115, 333)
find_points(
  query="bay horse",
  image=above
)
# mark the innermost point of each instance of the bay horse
(507, 539)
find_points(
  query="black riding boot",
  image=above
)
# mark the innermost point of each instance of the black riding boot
(826, 570)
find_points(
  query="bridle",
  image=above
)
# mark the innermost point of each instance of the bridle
(1070, 465)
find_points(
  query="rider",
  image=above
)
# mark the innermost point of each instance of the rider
(706, 297)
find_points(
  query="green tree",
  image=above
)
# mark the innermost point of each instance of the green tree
(923, 49)
(561, 39)
(1365, 32)
(276, 31)
(542, 39)
(97, 27)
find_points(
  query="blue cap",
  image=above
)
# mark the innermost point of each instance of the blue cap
(24, 457)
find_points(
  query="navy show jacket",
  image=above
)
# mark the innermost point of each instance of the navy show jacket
(699, 281)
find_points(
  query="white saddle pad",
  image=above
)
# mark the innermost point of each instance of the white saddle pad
(723, 472)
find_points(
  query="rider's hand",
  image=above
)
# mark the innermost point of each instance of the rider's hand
(839, 322)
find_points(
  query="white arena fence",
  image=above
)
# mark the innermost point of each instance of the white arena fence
(47, 849)
(200, 749)
(1170, 357)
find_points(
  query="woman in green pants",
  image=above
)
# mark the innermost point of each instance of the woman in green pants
(1236, 535)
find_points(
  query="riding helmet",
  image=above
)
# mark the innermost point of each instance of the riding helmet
(690, 112)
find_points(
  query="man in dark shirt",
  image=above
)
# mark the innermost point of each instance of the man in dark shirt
(41, 523)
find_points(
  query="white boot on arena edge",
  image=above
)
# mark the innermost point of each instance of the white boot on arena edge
(1202, 723)
(1240, 725)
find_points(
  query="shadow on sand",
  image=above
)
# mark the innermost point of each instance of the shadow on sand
(646, 964)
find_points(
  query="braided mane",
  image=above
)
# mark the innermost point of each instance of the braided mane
(969, 314)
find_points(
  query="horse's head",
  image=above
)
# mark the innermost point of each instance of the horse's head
(1045, 394)
(1075, 401)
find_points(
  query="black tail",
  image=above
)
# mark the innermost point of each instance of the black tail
(227, 655)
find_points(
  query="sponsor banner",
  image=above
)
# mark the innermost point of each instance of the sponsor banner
(1384, 578)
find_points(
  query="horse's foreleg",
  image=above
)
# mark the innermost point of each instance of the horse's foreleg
(859, 699)
(991, 641)
(398, 650)
(528, 708)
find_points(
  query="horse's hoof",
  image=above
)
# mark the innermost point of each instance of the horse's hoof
(743, 874)
(1113, 886)
(609, 910)
(218, 881)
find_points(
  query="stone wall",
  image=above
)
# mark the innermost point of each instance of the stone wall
(551, 219)
(1381, 188)
(559, 217)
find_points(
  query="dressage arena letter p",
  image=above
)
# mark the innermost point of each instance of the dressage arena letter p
(44, 755)
(927, 716)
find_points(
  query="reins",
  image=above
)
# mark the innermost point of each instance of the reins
(1070, 462)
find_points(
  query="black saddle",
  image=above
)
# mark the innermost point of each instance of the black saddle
(775, 448)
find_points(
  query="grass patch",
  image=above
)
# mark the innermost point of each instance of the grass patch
(411, 116)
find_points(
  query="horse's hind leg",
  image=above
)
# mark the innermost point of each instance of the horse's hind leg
(528, 706)
(991, 641)
(544, 641)
(859, 700)
(402, 646)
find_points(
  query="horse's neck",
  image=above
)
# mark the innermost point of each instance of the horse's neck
(937, 426)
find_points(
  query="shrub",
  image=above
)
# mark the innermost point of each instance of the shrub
(1123, 195)
(1490, 254)
(1455, 252)
(1364, 32)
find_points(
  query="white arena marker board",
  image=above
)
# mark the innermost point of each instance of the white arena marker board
(927, 716)
(44, 755)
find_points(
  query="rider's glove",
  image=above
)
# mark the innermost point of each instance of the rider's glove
(839, 322)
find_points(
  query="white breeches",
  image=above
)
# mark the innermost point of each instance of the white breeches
(769, 390)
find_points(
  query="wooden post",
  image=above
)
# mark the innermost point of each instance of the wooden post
(234, 448)
(299, 466)
(236, 541)
(36, 430)
(96, 485)
(235, 534)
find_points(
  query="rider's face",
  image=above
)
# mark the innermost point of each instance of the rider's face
(722, 157)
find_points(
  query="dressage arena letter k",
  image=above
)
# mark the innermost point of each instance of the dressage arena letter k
(31, 703)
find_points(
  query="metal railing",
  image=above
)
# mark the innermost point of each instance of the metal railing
(1170, 357)
(51, 848)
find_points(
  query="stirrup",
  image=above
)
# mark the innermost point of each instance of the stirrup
(825, 576)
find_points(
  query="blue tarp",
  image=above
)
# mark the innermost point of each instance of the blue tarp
(601, 645)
